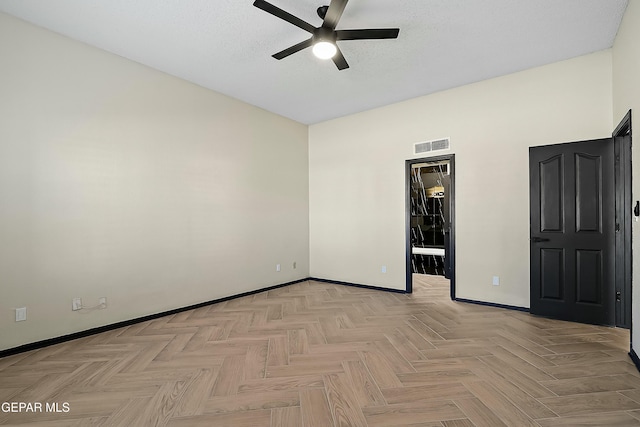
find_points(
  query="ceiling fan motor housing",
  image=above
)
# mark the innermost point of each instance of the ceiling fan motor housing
(323, 34)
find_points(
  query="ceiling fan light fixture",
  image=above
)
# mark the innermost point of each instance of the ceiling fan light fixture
(324, 49)
(323, 38)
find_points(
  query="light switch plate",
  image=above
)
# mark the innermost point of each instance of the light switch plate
(21, 314)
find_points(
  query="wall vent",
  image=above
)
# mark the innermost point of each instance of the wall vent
(428, 146)
(422, 147)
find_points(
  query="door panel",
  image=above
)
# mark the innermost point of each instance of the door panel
(552, 267)
(552, 194)
(572, 231)
(589, 277)
(588, 193)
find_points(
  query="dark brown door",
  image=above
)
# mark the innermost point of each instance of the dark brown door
(572, 231)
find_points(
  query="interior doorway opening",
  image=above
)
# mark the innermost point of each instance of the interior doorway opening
(430, 248)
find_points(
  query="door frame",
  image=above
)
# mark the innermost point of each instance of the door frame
(452, 222)
(622, 269)
(623, 209)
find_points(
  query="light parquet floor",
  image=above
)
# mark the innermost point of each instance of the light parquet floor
(318, 354)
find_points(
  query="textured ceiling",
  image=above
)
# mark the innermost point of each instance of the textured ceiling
(226, 45)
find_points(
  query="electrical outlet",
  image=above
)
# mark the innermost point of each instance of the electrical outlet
(21, 314)
(103, 302)
(277, 267)
(76, 304)
(496, 280)
(384, 269)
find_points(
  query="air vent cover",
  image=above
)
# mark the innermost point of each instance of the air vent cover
(434, 145)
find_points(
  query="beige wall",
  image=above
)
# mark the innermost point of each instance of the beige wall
(357, 188)
(120, 181)
(626, 96)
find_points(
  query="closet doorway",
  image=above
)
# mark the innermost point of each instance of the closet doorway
(430, 225)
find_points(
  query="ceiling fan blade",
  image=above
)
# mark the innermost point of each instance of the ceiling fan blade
(334, 13)
(377, 33)
(293, 49)
(276, 11)
(339, 60)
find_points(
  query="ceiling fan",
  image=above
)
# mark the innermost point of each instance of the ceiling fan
(324, 38)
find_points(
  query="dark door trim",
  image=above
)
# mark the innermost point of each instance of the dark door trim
(451, 256)
(623, 267)
(624, 127)
(622, 274)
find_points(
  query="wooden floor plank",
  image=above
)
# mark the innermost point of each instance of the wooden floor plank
(612, 419)
(501, 381)
(479, 414)
(162, 404)
(298, 342)
(230, 376)
(465, 422)
(256, 360)
(445, 391)
(380, 369)
(315, 408)
(286, 417)
(364, 386)
(234, 419)
(194, 396)
(593, 385)
(343, 402)
(278, 353)
(408, 413)
(618, 367)
(437, 377)
(517, 374)
(250, 402)
(283, 383)
(128, 413)
(509, 413)
(590, 403)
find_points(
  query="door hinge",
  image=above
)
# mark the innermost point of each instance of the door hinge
(617, 227)
(618, 296)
